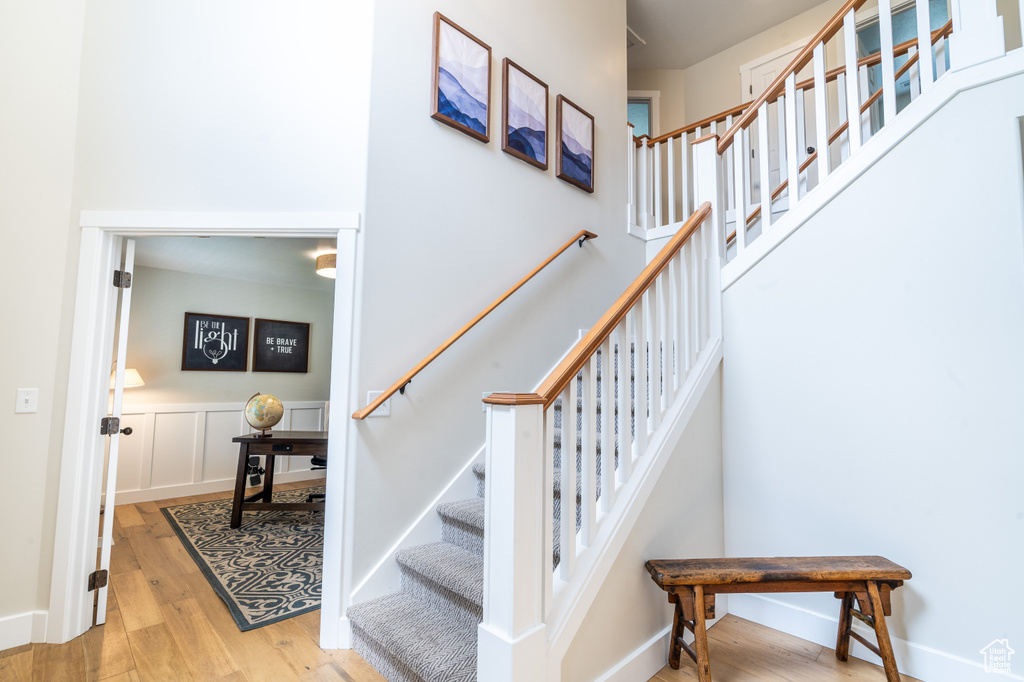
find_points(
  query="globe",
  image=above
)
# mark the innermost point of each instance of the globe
(263, 411)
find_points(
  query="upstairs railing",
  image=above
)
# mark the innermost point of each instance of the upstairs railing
(399, 386)
(596, 413)
(806, 124)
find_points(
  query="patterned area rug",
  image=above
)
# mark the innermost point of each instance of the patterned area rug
(267, 570)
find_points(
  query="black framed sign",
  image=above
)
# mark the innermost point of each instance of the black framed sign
(216, 343)
(279, 346)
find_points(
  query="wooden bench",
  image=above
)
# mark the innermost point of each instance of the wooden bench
(692, 584)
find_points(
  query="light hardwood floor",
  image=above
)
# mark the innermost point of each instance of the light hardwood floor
(166, 624)
(742, 651)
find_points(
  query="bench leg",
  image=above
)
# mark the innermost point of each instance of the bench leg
(677, 633)
(845, 625)
(700, 635)
(892, 674)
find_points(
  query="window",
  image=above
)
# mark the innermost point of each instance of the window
(638, 112)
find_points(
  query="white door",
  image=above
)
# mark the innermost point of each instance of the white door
(755, 77)
(125, 296)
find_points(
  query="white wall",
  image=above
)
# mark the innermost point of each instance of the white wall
(225, 107)
(630, 609)
(873, 387)
(713, 85)
(160, 300)
(40, 46)
(451, 223)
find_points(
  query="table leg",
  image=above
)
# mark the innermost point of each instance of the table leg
(700, 635)
(268, 478)
(236, 504)
(845, 625)
(892, 674)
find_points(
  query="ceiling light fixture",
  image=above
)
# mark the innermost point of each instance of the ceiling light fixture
(327, 265)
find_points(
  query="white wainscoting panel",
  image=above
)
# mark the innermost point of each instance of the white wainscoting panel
(179, 450)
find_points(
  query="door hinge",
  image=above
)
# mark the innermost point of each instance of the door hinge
(97, 579)
(109, 426)
(122, 279)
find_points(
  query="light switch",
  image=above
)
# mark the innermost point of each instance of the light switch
(27, 401)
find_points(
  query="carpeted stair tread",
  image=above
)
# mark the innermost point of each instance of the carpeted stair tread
(432, 646)
(469, 511)
(480, 469)
(449, 566)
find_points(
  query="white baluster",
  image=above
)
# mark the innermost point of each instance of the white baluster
(739, 157)
(567, 554)
(657, 185)
(548, 515)
(607, 436)
(685, 311)
(684, 177)
(852, 92)
(644, 188)
(821, 111)
(865, 87)
(670, 142)
(588, 455)
(649, 301)
(763, 169)
(730, 190)
(914, 74)
(888, 70)
(642, 389)
(924, 44)
(694, 322)
(844, 143)
(748, 181)
(780, 120)
(664, 353)
(801, 137)
(940, 53)
(792, 141)
(624, 401)
(673, 350)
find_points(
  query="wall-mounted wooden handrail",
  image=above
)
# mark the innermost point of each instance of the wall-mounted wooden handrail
(937, 35)
(579, 238)
(800, 61)
(560, 377)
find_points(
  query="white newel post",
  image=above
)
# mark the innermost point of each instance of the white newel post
(708, 188)
(977, 33)
(512, 639)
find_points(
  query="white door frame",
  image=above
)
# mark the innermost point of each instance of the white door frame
(74, 551)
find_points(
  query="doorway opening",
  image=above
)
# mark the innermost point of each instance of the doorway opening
(70, 612)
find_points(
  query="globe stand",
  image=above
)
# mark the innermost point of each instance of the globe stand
(264, 433)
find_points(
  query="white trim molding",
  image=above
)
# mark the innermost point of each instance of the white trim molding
(78, 500)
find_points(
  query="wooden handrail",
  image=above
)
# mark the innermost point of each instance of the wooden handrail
(581, 236)
(937, 35)
(560, 377)
(800, 61)
(717, 118)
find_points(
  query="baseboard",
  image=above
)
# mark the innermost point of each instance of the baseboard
(22, 628)
(223, 485)
(913, 659)
(646, 660)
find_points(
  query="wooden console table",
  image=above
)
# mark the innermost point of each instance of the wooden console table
(279, 444)
(691, 585)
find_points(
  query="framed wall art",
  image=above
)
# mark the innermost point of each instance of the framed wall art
(575, 144)
(279, 346)
(524, 117)
(461, 93)
(215, 343)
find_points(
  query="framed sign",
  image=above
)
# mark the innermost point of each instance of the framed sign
(280, 346)
(574, 144)
(215, 343)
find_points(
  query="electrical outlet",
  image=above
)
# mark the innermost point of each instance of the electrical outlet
(27, 400)
(385, 408)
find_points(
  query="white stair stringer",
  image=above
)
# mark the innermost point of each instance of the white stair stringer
(573, 600)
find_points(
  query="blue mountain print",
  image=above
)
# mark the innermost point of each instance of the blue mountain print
(454, 102)
(579, 167)
(528, 142)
